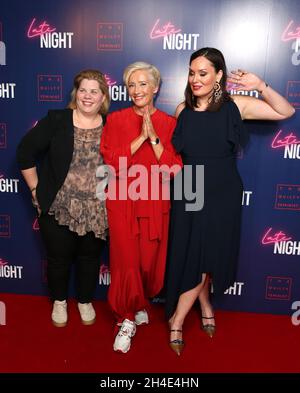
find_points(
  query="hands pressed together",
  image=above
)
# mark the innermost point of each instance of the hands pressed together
(147, 127)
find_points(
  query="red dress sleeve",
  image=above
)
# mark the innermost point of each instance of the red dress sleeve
(110, 146)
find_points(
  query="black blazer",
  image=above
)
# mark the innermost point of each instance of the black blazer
(52, 139)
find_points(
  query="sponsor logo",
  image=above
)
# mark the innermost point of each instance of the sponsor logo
(110, 36)
(4, 225)
(287, 197)
(172, 37)
(3, 140)
(278, 288)
(49, 87)
(170, 90)
(293, 93)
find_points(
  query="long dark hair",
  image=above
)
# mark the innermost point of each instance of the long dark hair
(217, 60)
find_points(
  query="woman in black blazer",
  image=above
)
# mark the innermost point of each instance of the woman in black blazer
(72, 220)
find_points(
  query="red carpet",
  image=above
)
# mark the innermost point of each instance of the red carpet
(244, 342)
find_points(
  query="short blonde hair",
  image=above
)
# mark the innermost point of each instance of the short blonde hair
(91, 75)
(141, 65)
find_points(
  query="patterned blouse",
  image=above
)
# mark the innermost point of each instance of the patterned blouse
(76, 204)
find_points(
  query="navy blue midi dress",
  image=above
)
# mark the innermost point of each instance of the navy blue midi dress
(206, 241)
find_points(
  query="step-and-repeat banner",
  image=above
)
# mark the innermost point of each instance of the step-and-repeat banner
(44, 44)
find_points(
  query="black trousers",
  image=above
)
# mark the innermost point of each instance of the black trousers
(63, 247)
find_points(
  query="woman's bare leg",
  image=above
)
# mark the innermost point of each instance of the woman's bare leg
(206, 307)
(185, 303)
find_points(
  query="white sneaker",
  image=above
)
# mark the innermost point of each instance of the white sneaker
(87, 313)
(123, 338)
(59, 313)
(141, 317)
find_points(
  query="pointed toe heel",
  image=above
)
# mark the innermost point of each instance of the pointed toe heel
(209, 329)
(177, 345)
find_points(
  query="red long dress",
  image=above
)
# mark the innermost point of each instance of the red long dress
(138, 228)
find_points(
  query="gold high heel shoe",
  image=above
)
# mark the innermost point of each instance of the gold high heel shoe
(177, 345)
(210, 328)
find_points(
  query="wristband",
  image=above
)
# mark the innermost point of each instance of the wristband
(155, 142)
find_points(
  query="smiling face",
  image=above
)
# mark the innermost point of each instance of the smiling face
(202, 77)
(89, 97)
(141, 89)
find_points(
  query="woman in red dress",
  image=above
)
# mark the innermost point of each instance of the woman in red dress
(136, 144)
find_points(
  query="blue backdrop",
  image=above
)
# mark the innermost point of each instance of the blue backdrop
(44, 44)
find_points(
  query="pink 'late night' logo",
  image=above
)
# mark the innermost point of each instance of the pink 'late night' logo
(109, 81)
(280, 141)
(35, 225)
(282, 243)
(278, 288)
(270, 238)
(103, 269)
(36, 30)
(3, 136)
(3, 262)
(158, 32)
(172, 37)
(290, 32)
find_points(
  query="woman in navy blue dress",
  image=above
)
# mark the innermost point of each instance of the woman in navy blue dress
(204, 244)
